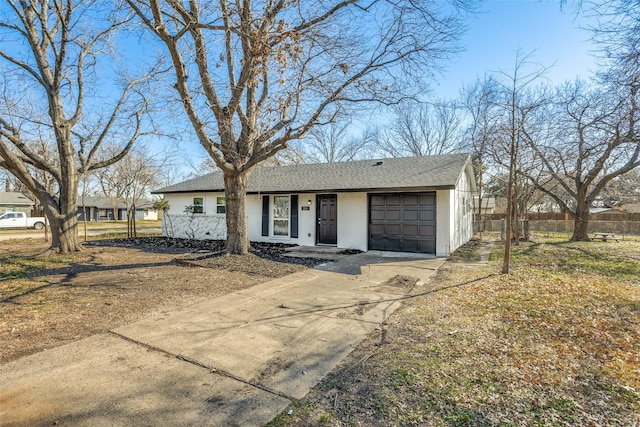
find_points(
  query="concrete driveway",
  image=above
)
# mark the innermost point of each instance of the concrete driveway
(236, 360)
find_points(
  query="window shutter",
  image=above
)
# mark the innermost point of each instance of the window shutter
(265, 215)
(294, 215)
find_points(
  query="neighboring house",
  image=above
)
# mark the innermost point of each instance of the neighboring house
(15, 202)
(545, 204)
(109, 209)
(488, 205)
(416, 204)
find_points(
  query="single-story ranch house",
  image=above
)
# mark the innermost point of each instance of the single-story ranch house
(15, 202)
(414, 204)
(112, 208)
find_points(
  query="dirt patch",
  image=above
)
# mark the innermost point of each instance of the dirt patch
(403, 282)
(398, 285)
(47, 301)
(469, 252)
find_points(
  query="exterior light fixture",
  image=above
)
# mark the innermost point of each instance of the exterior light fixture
(308, 202)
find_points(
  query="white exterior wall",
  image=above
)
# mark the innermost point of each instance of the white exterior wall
(444, 221)
(353, 221)
(206, 226)
(454, 216)
(306, 220)
(463, 212)
(178, 202)
(254, 222)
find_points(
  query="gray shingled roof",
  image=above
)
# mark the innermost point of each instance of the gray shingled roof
(424, 172)
(11, 198)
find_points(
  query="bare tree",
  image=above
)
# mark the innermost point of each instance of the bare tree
(253, 76)
(52, 54)
(622, 190)
(422, 129)
(517, 103)
(334, 143)
(11, 183)
(596, 141)
(131, 179)
(617, 34)
(480, 102)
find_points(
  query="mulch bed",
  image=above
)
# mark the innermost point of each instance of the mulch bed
(207, 250)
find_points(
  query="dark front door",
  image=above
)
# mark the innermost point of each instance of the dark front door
(327, 219)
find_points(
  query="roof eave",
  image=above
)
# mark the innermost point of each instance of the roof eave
(324, 190)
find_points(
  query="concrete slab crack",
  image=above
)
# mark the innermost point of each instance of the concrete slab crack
(211, 369)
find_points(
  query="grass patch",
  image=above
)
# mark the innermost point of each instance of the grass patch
(553, 344)
(618, 261)
(17, 273)
(20, 267)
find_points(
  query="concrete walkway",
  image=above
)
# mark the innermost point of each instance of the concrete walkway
(236, 360)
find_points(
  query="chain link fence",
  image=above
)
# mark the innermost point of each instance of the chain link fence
(620, 228)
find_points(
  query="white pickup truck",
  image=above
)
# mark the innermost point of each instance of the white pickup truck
(20, 220)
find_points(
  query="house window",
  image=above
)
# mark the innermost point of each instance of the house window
(280, 215)
(198, 205)
(221, 205)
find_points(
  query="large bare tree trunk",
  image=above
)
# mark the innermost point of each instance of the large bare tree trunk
(235, 193)
(581, 224)
(64, 227)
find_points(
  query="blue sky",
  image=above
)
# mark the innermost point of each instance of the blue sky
(539, 27)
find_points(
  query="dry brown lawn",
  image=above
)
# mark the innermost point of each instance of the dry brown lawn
(50, 300)
(556, 343)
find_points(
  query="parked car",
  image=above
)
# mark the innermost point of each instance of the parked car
(20, 220)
